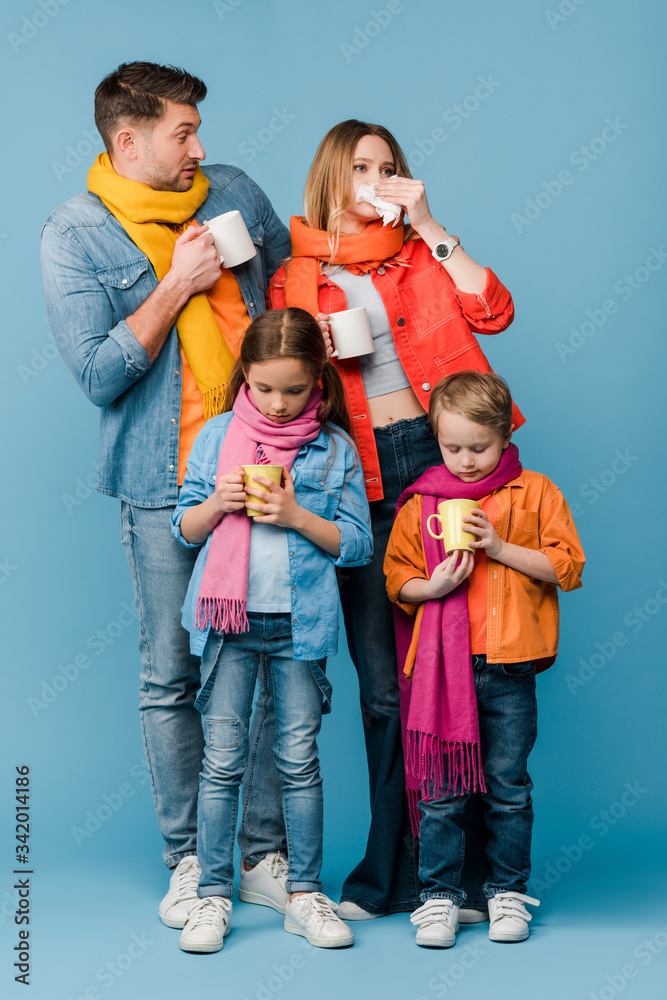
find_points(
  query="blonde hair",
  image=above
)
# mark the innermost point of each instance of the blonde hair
(482, 397)
(329, 182)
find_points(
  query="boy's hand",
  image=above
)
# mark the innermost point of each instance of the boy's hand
(447, 575)
(281, 507)
(478, 524)
(229, 492)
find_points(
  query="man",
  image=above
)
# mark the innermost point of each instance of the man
(149, 324)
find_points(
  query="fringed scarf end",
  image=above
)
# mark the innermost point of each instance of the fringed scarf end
(213, 401)
(429, 760)
(222, 614)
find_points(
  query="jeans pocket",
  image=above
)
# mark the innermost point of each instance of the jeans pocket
(222, 734)
(524, 669)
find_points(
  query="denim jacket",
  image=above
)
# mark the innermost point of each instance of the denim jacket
(94, 278)
(339, 497)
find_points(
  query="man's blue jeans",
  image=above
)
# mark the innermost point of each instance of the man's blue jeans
(171, 727)
(507, 709)
(225, 704)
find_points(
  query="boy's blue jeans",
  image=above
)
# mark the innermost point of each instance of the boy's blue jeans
(507, 709)
(225, 703)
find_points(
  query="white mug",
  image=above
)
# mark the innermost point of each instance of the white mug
(351, 333)
(231, 238)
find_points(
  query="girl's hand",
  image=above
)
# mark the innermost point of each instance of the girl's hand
(230, 492)
(282, 508)
(478, 524)
(447, 575)
(323, 320)
(408, 193)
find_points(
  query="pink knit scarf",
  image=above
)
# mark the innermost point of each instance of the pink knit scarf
(251, 439)
(438, 703)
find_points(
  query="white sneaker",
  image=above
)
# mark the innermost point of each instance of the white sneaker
(437, 922)
(509, 917)
(350, 911)
(182, 892)
(208, 924)
(265, 883)
(313, 916)
(470, 915)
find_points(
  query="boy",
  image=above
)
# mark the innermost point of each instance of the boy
(486, 622)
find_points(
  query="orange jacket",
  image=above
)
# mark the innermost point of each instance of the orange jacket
(522, 622)
(431, 322)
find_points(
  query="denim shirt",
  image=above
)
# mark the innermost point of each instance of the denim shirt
(94, 278)
(339, 496)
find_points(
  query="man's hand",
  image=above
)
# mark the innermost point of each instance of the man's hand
(195, 265)
(323, 321)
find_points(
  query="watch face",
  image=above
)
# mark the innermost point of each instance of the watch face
(442, 251)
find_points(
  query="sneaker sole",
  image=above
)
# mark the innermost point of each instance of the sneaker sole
(431, 943)
(176, 922)
(508, 938)
(255, 897)
(316, 943)
(206, 949)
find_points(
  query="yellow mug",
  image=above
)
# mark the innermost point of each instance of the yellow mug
(452, 532)
(272, 472)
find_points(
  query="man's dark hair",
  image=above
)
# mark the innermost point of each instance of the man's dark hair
(136, 93)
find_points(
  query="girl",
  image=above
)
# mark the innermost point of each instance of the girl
(424, 295)
(263, 596)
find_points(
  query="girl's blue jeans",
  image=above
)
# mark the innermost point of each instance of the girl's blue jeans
(298, 688)
(507, 709)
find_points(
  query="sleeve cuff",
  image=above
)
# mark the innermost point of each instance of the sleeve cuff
(567, 573)
(351, 551)
(137, 361)
(396, 580)
(176, 519)
(492, 301)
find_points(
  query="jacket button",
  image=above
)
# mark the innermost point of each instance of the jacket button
(252, 305)
(292, 555)
(381, 270)
(171, 468)
(400, 321)
(124, 281)
(173, 420)
(426, 386)
(177, 372)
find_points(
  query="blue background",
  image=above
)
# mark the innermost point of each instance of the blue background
(554, 76)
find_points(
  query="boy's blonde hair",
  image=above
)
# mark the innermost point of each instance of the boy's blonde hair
(482, 397)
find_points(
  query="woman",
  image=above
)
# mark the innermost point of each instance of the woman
(424, 295)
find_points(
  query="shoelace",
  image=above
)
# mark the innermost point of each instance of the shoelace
(277, 865)
(205, 911)
(510, 904)
(322, 907)
(435, 911)
(188, 879)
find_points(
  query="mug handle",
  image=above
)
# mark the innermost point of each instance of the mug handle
(429, 529)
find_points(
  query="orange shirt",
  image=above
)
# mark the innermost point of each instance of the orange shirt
(229, 309)
(522, 613)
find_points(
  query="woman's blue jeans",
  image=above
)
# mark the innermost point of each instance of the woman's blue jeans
(225, 704)
(507, 709)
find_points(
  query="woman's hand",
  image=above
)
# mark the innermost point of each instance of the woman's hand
(478, 524)
(281, 506)
(230, 492)
(448, 574)
(408, 193)
(323, 320)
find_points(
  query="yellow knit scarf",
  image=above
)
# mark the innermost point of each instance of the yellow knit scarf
(145, 214)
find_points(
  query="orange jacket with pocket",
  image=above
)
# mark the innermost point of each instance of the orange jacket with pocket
(522, 613)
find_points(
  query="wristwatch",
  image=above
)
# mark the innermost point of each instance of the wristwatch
(443, 251)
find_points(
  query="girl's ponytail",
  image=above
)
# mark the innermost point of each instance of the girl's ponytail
(333, 405)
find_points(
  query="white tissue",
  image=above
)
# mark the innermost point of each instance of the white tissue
(388, 211)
